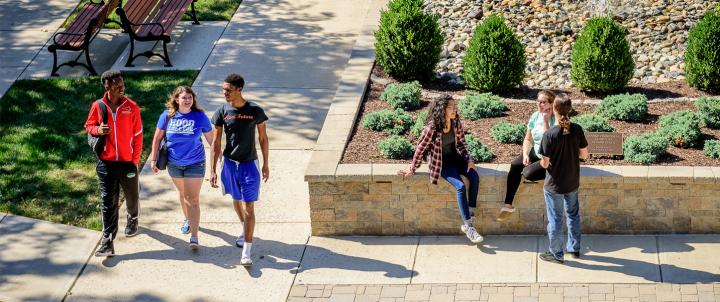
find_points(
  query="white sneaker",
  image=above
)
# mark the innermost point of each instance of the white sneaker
(472, 234)
(245, 261)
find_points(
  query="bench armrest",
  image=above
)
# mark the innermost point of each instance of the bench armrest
(149, 24)
(65, 33)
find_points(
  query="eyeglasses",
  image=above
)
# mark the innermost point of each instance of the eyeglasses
(541, 102)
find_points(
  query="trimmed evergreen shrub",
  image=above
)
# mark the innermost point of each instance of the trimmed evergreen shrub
(709, 109)
(396, 147)
(624, 107)
(681, 128)
(645, 148)
(393, 122)
(601, 59)
(508, 133)
(408, 42)
(404, 96)
(495, 58)
(593, 123)
(417, 128)
(712, 148)
(478, 151)
(702, 57)
(476, 106)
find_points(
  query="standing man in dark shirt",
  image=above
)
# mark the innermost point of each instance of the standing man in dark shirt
(562, 148)
(240, 175)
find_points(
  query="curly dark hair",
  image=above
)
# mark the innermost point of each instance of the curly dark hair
(437, 112)
(236, 80)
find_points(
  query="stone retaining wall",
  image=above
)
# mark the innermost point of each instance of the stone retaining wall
(369, 199)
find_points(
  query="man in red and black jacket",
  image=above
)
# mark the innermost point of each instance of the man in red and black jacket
(117, 166)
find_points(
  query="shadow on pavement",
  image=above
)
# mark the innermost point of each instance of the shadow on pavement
(620, 265)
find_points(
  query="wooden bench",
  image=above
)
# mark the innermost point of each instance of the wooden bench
(80, 32)
(153, 20)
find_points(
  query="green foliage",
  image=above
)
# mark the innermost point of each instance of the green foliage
(508, 133)
(593, 123)
(476, 106)
(702, 57)
(46, 168)
(495, 58)
(416, 129)
(709, 109)
(681, 128)
(712, 148)
(404, 96)
(409, 41)
(645, 148)
(478, 151)
(393, 122)
(624, 107)
(396, 147)
(601, 59)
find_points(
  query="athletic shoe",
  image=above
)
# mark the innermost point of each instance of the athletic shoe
(131, 229)
(194, 243)
(505, 212)
(574, 255)
(240, 241)
(107, 249)
(245, 261)
(185, 228)
(549, 257)
(471, 233)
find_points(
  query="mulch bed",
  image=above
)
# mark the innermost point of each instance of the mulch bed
(362, 147)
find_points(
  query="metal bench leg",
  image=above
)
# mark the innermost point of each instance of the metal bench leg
(166, 58)
(89, 63)
(131, 58)
(192, 13)
(55, 68)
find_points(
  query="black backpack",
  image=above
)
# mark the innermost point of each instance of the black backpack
(97, 143)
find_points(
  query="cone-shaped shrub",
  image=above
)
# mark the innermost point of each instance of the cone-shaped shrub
(601, 59)
(409, 41)
(702, 57)
(495, 58)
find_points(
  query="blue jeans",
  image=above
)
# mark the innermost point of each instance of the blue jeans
(451, 172)
(554, 204)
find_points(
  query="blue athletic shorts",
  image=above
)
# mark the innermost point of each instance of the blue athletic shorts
(241, 180)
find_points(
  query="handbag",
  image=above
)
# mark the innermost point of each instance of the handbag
(162, 157)
(97, 142)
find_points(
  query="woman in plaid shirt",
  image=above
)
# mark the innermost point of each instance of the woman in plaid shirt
(444, 137)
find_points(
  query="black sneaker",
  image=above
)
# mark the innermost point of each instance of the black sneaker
(574, 255)
(107, 249)
(547, 256)
(131, 229)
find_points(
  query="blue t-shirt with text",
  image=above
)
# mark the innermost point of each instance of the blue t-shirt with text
(184, 136)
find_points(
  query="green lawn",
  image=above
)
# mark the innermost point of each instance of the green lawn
(206, 10)
(46, 168)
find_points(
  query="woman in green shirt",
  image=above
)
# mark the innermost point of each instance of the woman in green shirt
(528, 164)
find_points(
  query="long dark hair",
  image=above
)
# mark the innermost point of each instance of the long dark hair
(172, 102)
(563, 106)
(437, 112)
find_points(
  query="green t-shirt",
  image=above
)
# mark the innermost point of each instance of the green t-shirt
(535, 125)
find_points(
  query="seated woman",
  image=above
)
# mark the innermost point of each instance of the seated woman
(444, 136)
(528, 164)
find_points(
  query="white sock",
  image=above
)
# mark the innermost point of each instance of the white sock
(246, 249)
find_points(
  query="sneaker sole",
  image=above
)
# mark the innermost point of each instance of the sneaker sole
(246, 264)
(105, 255)
(194, 246)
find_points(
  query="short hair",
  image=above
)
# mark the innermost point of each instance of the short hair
(235, 80)
(109, 76)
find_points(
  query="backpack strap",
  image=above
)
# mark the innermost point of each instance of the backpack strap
(103, 111)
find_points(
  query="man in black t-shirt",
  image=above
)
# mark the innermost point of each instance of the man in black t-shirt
(240, 176)
(562, 148)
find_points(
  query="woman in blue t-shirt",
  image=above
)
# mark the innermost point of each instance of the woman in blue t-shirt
(186, 155)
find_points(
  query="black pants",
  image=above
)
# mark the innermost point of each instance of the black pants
(531, 172)
(114, 175)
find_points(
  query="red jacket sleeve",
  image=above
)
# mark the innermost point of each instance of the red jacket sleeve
(92, 122)
(423, 143)
(137, 139)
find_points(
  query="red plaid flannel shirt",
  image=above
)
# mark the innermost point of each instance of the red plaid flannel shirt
(430, 136)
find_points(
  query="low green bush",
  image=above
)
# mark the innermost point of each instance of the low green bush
(681, 128)
(404, 96)
(712, 148)
(476, 106)
(624, 107)
(417, 128)
(396, 147)
(393, 122)
(645, 148)
(709, 109)
(478, 151)
(508, 133)
(702, 56)
(593, 123)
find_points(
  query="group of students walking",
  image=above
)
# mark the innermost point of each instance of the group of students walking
(117, 118)
(552, 150)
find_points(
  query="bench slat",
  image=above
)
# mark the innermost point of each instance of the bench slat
(138, 10)
(168, 13)
(80, 25)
